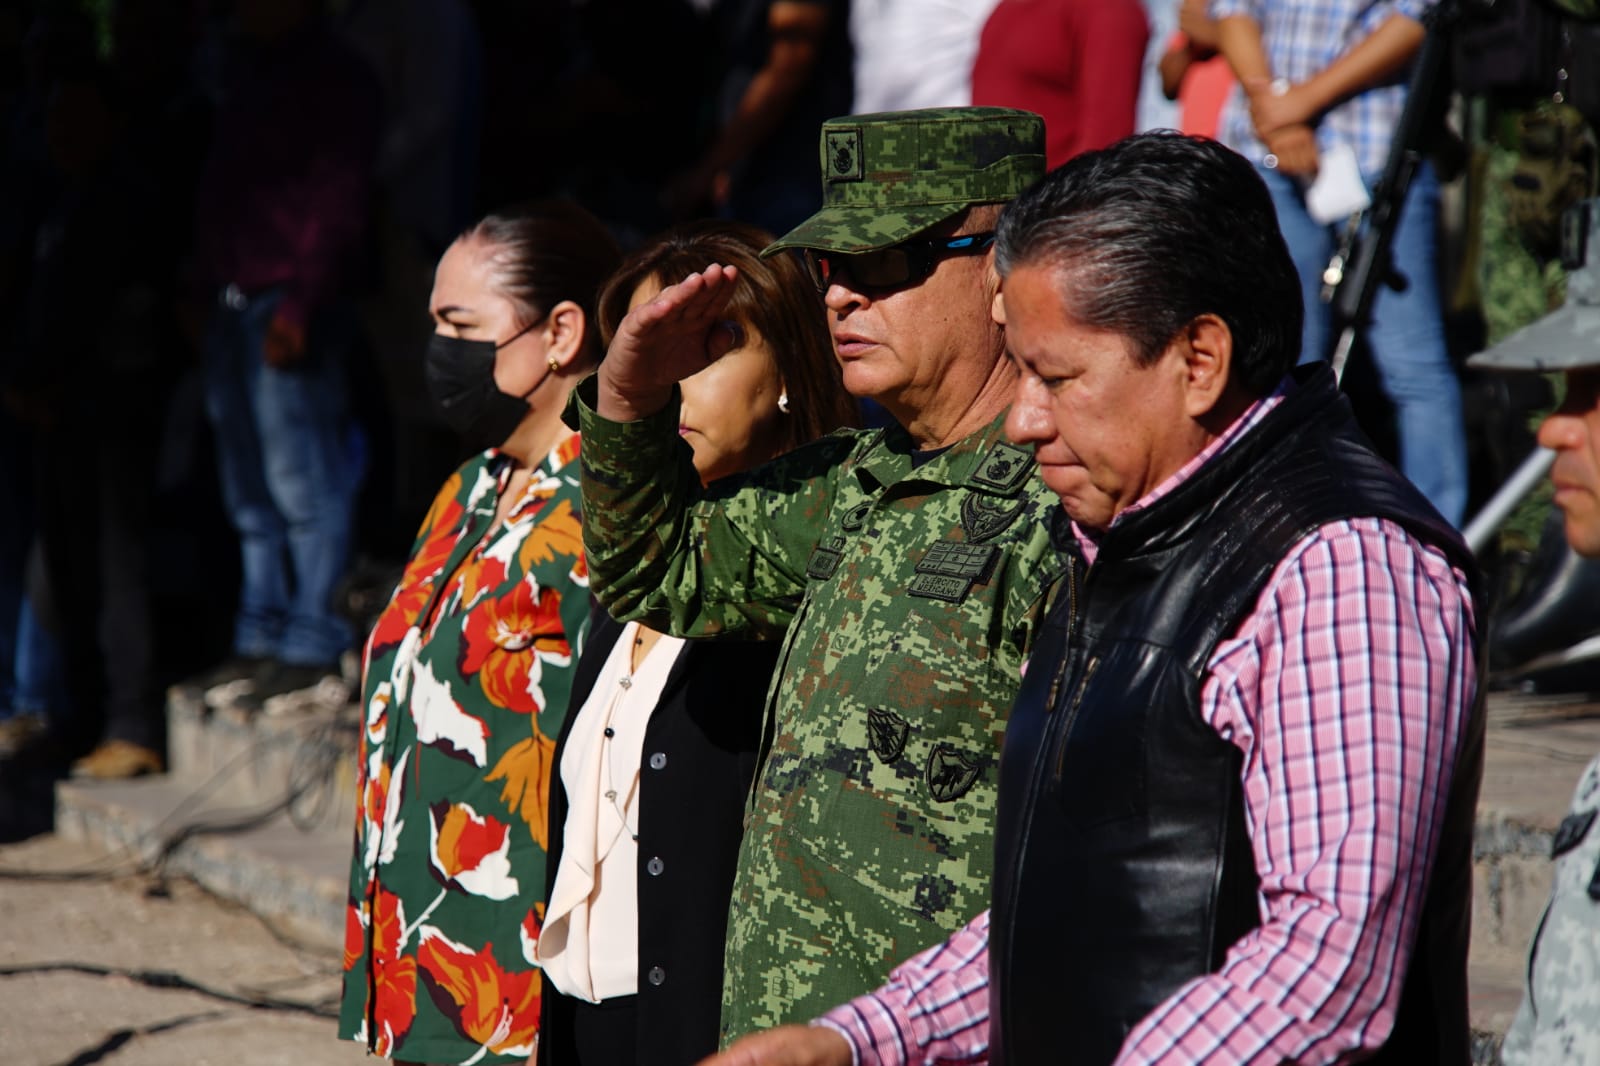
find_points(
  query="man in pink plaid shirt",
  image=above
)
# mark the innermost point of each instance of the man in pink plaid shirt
(1237, 790)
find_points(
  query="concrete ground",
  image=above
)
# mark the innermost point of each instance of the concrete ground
(112, 967)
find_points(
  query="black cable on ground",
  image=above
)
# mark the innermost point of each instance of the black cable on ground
(166, 979)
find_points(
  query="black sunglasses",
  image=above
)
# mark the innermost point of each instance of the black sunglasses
(893, 267)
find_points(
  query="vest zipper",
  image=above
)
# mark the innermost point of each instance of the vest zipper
(1072, 713)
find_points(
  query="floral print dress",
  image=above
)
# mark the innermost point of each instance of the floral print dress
(465, 681)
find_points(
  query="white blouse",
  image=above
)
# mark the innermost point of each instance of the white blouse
(589, 946)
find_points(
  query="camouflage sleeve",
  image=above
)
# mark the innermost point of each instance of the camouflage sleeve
(697, 563)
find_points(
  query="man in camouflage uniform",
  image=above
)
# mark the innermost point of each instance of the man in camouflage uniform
(908, 566)
(1538, 151)
(1558, 1023)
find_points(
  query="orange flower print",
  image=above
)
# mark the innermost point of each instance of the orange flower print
(380, 808)
(558, 534)
(440, 531)
(471, 851)
(505, 640)
(566, 451)
(494, 1008)
(526, 768)
(355, 933)
(395, 976)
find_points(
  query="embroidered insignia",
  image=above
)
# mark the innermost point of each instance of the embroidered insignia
(1570, 833)
(886, 734)
(825, 559)
(983, 517)
(954, 559)
(951, 774)
(1004, 469)
(843, 148)
(856, 517)
(950, 569)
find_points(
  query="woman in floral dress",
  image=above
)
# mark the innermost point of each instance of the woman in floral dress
(466, 673)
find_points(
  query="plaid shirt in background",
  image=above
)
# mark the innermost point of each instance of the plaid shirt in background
(1302, 37)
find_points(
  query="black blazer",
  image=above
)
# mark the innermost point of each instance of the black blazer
(694, 784)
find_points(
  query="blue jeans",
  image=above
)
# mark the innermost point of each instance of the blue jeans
(288, 459)
(1406, 336)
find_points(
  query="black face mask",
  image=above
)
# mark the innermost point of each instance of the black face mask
(460, 376)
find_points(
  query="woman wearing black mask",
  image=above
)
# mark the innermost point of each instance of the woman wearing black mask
(466, 674)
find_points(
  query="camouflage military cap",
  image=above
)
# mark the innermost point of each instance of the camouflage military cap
(1569, 338)
(889, 176)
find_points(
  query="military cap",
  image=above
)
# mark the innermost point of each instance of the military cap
(1569, 338)
(888, 176)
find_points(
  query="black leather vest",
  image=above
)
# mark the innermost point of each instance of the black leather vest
(1123, 868)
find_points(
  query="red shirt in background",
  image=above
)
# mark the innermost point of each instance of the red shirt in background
(1076, 62)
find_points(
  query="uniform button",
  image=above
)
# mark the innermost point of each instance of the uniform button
(610, 732)
(658, 760)
(655, 866)
(657, 975)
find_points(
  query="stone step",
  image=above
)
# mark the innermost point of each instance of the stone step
(294, 875)
(251, 758)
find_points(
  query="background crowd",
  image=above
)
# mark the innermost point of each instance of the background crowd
(196, 191)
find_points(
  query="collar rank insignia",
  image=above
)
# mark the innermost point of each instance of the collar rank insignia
(1004, 469)
(856, 517)
(950, 569)
(983, 517)
(825, 559)
(886, 734)
(951, 774)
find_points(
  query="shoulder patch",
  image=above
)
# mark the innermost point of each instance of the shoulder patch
(951, 774)
(984, 516)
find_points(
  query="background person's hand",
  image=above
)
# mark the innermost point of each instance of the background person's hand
(1295, 149)
(1272, 111)
(789, 1045)
(661, 342)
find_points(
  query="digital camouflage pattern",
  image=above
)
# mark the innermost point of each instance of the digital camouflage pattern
(1543, 161)
(910, 599)
(889, 176)
(1558, 1023)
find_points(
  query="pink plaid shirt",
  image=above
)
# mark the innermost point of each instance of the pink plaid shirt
(1346, 690)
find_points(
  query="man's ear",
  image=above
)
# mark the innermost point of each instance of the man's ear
(1207, 348)
(564, 331)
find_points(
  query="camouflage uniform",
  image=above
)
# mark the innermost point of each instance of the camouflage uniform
(1559, 1020)
(1519, 281)
(911, 595)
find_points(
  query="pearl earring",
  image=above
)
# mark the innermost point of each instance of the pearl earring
(783, 401)
(555, 364)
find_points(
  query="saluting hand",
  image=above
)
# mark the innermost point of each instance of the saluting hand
(661, 342)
